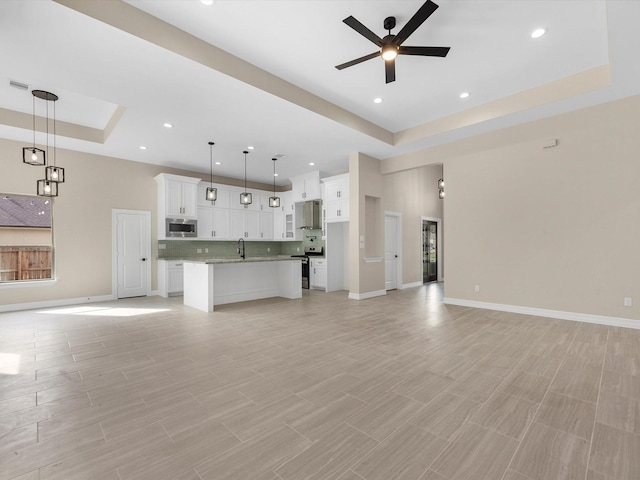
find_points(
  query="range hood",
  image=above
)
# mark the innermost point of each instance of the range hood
(311, 216)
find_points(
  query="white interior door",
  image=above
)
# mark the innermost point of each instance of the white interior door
(390, 252)
(132, 253)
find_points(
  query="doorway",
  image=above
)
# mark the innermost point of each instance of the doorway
(131, 253)
(430, 252)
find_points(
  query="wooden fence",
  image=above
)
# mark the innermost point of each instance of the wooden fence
(24, 263)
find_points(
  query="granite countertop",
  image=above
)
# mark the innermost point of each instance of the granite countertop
(219, 261)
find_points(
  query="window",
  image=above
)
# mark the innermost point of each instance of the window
(26, 239)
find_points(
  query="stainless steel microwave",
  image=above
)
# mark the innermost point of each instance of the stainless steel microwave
(181, 228)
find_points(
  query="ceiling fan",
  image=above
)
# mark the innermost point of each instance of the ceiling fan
(391, 45)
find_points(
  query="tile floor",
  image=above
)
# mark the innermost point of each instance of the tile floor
(399, 387)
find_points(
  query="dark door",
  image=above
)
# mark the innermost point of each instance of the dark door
(429, 251)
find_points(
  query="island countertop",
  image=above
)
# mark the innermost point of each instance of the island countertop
(217, 281)
(223, 260)
(220, 261)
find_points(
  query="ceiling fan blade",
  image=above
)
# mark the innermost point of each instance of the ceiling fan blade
(424, 51)
(358, 60)
(390, 70)
(418, 19)
(362, 30)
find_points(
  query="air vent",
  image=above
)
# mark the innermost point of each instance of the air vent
(18, 85)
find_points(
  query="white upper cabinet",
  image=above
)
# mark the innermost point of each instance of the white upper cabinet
(176, 199)
(213, 223)
(336, 187)
(180, 196)
(335, 203)
(245, 224)
(306, 187)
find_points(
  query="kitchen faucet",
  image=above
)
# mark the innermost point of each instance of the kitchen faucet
(241, 247)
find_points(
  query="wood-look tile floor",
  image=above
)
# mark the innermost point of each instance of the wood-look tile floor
(396, 387)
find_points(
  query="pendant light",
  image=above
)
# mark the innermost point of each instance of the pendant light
(32, 155)
(245, 197)
(47, 187)
(211, 194)
(274, 202)
(53, 173)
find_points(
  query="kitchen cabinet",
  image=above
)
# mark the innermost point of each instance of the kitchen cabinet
(244, 224)
(306, 187)
(336, 198)
(181, 199)
(266, 226)
(292, 217)
(170, 277)
(176, 199)
(278, 224)
(213, 223)
(336, 187)
(318, 273)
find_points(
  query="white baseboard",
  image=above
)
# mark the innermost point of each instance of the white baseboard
(363, 296)
(543, 312)
(411, 285)
(54, 303)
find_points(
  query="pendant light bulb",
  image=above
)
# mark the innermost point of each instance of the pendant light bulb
(34, 157)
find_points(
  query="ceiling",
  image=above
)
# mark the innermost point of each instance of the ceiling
(261, 73)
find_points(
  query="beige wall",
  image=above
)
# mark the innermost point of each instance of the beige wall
(551, 228)
(82, 217)
(414, 194)
(365, 181)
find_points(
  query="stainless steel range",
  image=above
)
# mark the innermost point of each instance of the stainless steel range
(308, 252)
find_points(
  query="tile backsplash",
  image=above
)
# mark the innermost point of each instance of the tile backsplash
(219, 249)
(223, 249)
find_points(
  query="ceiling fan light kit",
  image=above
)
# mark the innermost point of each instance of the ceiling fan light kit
(391, 45)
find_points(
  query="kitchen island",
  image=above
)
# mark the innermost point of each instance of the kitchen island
(228, 280)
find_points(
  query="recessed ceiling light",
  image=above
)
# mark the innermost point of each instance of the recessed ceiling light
(168, 125)
(207, 2)
(464, 95)
(311, 163)
(218, 163)
(275, 174)
(538, 32)
(142, 147)
(377, 100)
(250, 147)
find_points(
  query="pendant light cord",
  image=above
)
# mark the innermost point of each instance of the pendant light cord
(211, 144)
(34, 121)
(54, 134)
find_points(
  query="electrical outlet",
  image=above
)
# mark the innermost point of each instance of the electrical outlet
(477, 289)
(268, 249)
(206, 250)
(198, 250)
(628, 302)
(162, 246)
(297, 249)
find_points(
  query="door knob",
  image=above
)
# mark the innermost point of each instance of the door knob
(144, 259)
(396, 256)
